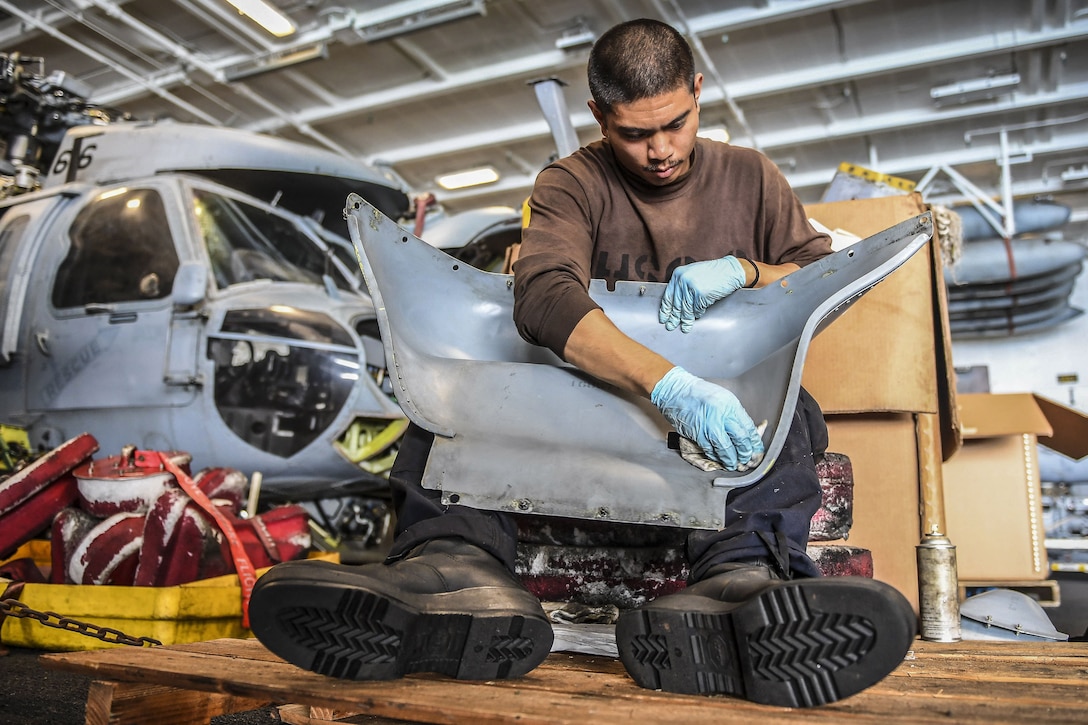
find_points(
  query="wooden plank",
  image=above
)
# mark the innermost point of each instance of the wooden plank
(251, 649)
(986, 650)
(928, 692)
(940, 706)
(1064, 653)
(416, 698)
(237, 649)
(963, 682)
(1052, 674)
(307, 715)
(123, 703)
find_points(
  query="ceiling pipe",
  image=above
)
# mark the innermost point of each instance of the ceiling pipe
(766, 11)
(888, 121)
(13, 33)
(187, 57)
(541, 64)
(113, 10)
(726, 97)
(550, 62)
(520, 185)
(420, 58)
(547, 62)
(109, 62)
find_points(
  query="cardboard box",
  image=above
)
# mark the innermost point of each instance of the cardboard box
(991, 486)
(891, 351)
(883, 375)
(883, 451)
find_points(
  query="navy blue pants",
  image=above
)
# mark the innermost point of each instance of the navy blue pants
(768, 520)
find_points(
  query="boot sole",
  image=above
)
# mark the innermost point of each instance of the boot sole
(354, 630)
(798, 644)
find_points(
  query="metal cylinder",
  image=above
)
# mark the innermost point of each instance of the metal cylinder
(938, 589)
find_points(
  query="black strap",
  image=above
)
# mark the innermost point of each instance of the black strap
(779, 547)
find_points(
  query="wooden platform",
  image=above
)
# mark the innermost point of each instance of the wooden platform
(987, 682)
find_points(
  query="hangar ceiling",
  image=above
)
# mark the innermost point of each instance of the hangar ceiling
(930, 89)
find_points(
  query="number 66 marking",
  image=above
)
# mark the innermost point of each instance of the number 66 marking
(83, 157)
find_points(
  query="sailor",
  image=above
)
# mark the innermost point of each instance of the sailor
(649, 201)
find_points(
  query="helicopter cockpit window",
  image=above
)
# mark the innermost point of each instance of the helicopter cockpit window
(121, 251)
(247, 243)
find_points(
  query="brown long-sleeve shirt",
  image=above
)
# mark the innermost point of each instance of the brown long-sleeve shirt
(589, 219)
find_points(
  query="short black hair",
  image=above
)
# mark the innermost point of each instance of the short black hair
(638, 59)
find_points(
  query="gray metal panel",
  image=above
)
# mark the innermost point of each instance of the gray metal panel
(520, 430)
(104, 154)
(19, 244)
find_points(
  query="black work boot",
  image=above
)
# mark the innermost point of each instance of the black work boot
(448, 607)
(744, 632)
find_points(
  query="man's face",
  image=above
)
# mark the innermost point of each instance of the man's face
(653, 137)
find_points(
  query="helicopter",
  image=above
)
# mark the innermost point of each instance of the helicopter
(186, 287)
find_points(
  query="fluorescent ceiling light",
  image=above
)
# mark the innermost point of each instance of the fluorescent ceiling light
(266, 15)
(392, 19)
(579, 37)
(469, 177)
(716, 133)
(275, 61)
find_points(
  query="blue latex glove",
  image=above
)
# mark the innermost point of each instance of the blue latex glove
(710, 415)
(695, 287)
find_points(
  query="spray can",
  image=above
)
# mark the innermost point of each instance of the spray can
(938, 589)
